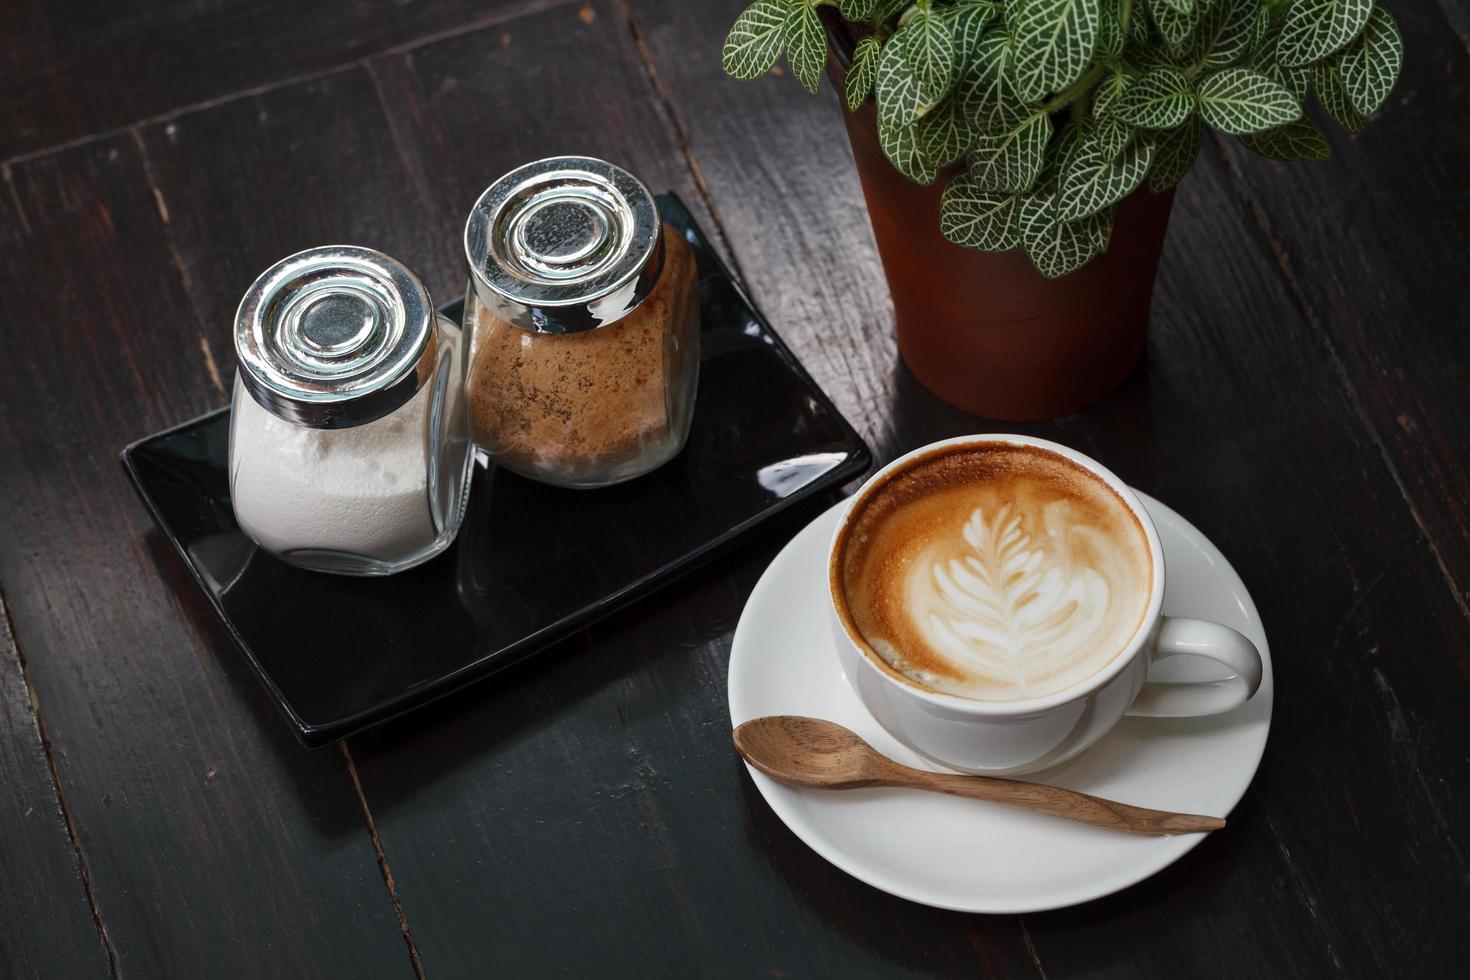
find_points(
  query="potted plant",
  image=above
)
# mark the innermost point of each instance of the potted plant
(1019, 157)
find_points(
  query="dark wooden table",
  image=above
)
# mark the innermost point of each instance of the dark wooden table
(1303, 401)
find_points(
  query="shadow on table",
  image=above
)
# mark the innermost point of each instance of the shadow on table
(864, 915)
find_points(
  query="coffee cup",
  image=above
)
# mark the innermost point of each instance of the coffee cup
(996, 603)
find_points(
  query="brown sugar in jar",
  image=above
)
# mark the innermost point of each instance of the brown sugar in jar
(595, 406)
(583, 310)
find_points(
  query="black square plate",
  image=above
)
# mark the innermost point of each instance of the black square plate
(532, 563)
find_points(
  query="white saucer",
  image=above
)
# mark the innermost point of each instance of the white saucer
(978, 857)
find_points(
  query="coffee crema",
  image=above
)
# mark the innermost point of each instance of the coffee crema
(993, 572)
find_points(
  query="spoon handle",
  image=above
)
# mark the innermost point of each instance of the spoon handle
(1065, 803)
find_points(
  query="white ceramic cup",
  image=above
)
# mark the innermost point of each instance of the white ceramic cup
(1010, 737)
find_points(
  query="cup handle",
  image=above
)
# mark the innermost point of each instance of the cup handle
(1198, 638)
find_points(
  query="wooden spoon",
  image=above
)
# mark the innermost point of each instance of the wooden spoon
(823, 755)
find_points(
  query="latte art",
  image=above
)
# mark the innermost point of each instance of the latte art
(996, 573)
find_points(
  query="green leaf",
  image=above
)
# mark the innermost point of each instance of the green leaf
(1174, 155)
(916, 69)
(1138, 32)
(1010, 160)
(1109, 135)
(1161, 99)
(806, 44)
(1100, 229)
(1182, 6)
(1260, 30)
(857, 10)
(1109, 94)
(862, 73)
(968, 22)
(1241, 100)
(980, 219)
(1054, 42)
(900, 100)
(1296, 141)
(944, 134)
(1226, 29)
(1054, 246)
(755, 39)
(1316, 28)
(927, 42)
(1296, 80)
(890, 9)
(1097, 179)
(987, 94)
(1174, 23)
(901, 146)
(1333, 95)
(1370, 65)
(1109, 32)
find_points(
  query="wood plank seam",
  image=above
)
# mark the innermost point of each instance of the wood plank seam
(1289, 276)
(427, 212)
(498, 18)
(1031, 947)
(675, 120)
(1301, 887)
(186, 279)
(7, 624)
(372, 829)
(191, 290)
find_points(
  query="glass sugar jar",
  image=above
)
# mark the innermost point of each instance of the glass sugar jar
(583, 309)
(349, 445)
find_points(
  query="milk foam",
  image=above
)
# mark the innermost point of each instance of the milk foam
(1009, 578)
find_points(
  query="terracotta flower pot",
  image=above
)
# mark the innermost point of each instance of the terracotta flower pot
(985, 331)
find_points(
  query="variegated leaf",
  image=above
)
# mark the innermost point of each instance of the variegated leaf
(1174, 155)
(806, 44)
(980, 219)
(857, 10)
(1183, 6)
(1161, 99)
(1100, 228)
(900, 100)
(1109, 31)
(862, 73)
(1297, 141)
(1055, 247)
(1242, 100)
(1370, 64)
(968, 22)
(987, 93)
(1226, 29)
(927, 41)
(1297, 80)
(901, 147)
(1097, 179)
(944, 133)
(754, 42)
(1109, 95)
(1174, 23)
(1054, 43)
(1010, 160)
(1315, 29)
(1333, 96)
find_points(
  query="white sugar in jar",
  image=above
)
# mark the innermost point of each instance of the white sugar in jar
(349, 447)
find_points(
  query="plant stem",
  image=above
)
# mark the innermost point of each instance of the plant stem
(1123, 17)
(1075, 90)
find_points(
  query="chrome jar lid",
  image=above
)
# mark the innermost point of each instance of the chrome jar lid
(564, 244)
(335, 336)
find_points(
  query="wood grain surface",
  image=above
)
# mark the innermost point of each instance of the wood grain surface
(1302, 401)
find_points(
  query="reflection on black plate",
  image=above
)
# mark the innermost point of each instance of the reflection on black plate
(532, 563)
